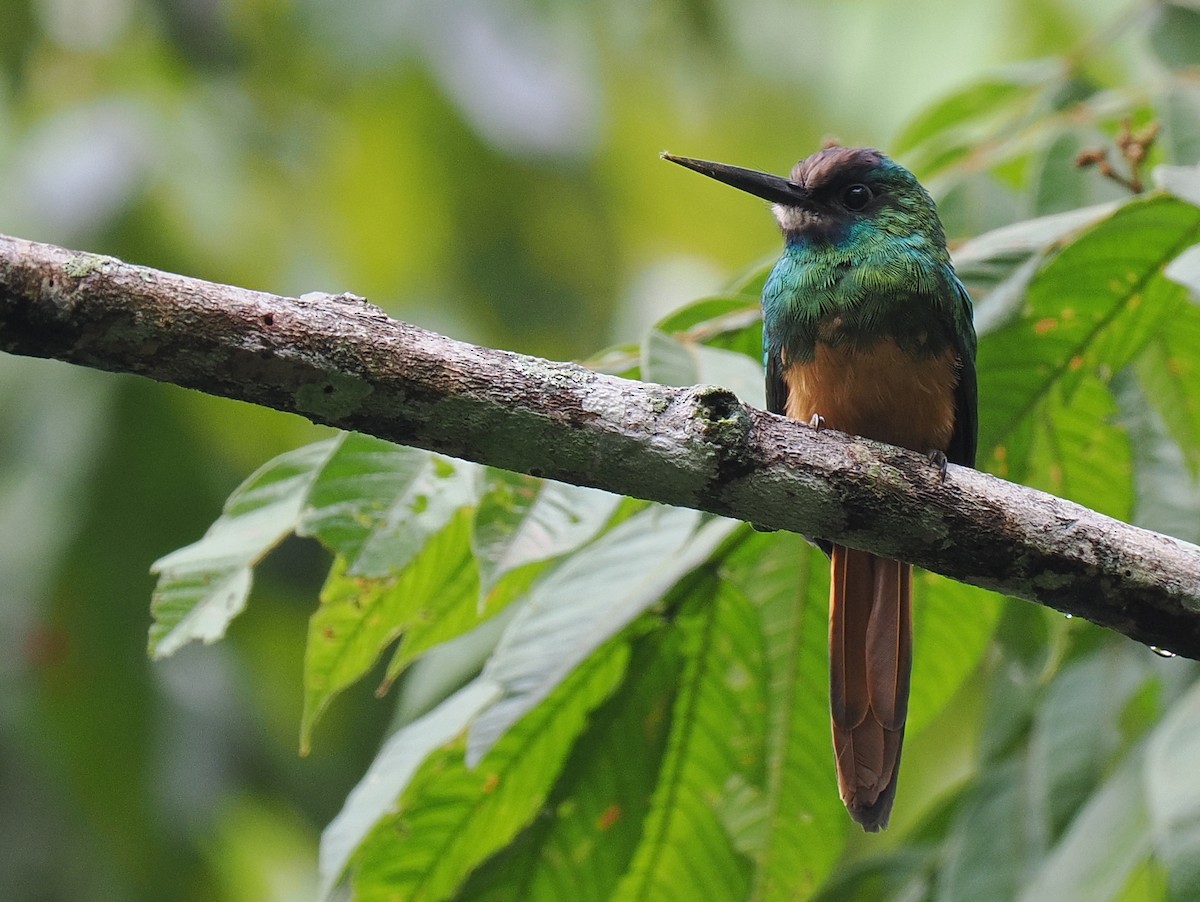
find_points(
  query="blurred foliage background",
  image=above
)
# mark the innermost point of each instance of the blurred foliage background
(486, 169)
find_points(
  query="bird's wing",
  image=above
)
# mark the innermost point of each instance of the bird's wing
(777, 392)
(966, 393)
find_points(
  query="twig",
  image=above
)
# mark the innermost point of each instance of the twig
(1133, 147)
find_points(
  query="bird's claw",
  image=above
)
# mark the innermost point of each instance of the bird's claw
(939, 460)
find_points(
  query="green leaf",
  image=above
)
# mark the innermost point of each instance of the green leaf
(953, 127)
(590, 597)
(1088, 312)
(1185, 269)
(906, 874)
(1179, 110)
(704, 812)
(434, 598)
(1104, 844)
(671, 361)
(375, 504)
(667, 360)
(522, 520)
(1077, 449)
(1026, 655)
(580, 845)
(1181, 181)
(983, 99)
(1147, 883)
(707, 316)
(1059, 185)
(1175, 35)
(998, 266)
(621, 360)
(800, 818)
(397, 518)
(390, 772)
(450, 818)
(1168, 493)
(952, 624)
(1076, 734)
(202, 587)
(988, 846)
(1173, 794)
(983, 202)
(1169, 374)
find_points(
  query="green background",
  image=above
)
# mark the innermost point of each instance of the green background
(488, 170)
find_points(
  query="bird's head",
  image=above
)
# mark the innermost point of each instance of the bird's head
(838, 195)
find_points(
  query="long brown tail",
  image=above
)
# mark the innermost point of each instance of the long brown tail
(870, 659)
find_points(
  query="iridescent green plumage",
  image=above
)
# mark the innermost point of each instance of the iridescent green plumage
(881, 271)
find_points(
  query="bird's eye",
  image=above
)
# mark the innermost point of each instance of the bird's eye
(856, 197)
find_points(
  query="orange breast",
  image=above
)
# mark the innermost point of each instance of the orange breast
(878, 392)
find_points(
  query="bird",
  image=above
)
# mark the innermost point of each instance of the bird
(867, 330)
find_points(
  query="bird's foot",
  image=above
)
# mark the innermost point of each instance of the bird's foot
(817, 422)
(938, 459)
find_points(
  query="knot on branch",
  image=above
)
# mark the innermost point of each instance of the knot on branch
(724, 424)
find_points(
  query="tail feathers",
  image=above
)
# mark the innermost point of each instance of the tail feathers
(870, 659)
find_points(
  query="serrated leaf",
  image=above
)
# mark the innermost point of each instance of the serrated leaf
(587, 599)
(521, 520)
(1077, 449)
(1169, 373)
(581, 843)
(1168, 493)
(450, 818)
(202, 587)
(998, 266)
(393, 768)
(693, 837)
(801, 820)
(434, 598)
(375, 504)
(1088, 312)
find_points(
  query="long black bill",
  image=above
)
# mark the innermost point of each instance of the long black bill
(761, 184)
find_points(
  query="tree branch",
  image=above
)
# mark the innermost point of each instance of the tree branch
(340, 360)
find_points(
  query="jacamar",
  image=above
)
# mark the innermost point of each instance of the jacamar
(866, 330)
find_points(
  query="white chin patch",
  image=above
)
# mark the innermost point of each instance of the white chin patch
(793, 219)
